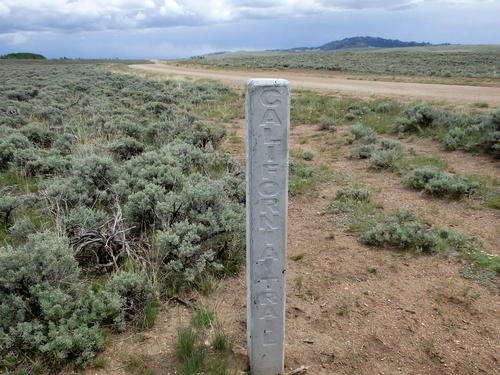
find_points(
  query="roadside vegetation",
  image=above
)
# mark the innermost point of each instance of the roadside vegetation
(203, 346)
(443, 61)
(354, 209)
(114, 195)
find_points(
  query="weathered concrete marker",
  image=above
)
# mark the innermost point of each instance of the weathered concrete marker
(268, 124)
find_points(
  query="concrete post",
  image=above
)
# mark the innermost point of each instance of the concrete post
(268, 126)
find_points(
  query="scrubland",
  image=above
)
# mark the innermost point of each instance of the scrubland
(460, 63)
(122, 229)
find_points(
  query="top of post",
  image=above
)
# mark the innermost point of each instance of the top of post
(266, 82)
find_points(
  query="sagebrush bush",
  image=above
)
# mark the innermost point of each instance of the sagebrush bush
(356, 111)
(389, 144)
(64, 143)
(456, 131)
(9, 146)
(90, 180)
(417, 119)
(454, 139)
(7, 206)
(384, 107)
(448, 185)
(134, 289)
(38, 135)
(491, 133)
(126, 148)
(419, 177)
(330, 125)
(383, 159)
(83, 219)
(304, 177)
(363, 151)
(363, 133)
(404, 231)
(308, 155)
(440, 184)
(22, 228)
(130, 129)
(45, 310)
(166, 176)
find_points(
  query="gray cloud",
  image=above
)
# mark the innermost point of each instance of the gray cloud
(89, 15)
(163, 28)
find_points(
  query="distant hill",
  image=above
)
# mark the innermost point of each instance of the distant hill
(23, 55)
(363, 42)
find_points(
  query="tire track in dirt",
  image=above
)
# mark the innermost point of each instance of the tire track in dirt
(454, 94)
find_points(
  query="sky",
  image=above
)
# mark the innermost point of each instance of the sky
(183, 28)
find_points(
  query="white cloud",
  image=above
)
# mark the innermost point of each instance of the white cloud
(76, 15)
(14, 39)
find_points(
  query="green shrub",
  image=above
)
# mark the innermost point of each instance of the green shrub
(404, 231)
(7, 206)
(83, 219)
(22, 228)
(96, 172)
(389, 144)
(419, 177)
(363, 151)
(350, 116)
(454, 139)
(491, 133)
(45, 310)
(50, 114)
(10, 145)
(141, 207)
(130, 129)
(356, 111)
(64, 143)
(182, 252)
(458, 242)
(417, 119)
(90, 180)
(135, 290)
(47, 165)
(441, 184)
(126, 148)
(155, 107)
(363, 133)
(330, 125)
(383, 159)
(38, 135)
(452, 186)
(384, 107)
(308, 155)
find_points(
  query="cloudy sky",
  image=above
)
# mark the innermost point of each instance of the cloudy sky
(181, 28)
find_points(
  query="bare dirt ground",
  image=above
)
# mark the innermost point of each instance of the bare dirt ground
(415, 315)
(453, 94)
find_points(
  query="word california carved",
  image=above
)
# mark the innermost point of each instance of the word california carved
(268, 124)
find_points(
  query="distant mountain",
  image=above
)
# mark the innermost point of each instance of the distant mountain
(363, 42)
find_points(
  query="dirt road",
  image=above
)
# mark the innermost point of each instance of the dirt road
(453, 94)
